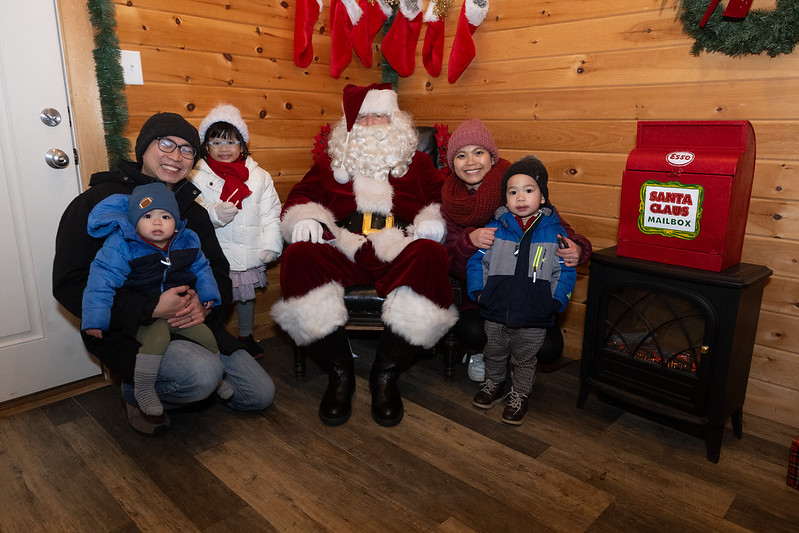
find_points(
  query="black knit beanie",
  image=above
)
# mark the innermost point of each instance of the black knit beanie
(531, 166)
(165, 125)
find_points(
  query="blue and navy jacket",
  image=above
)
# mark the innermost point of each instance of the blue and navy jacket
(126, 260)
(520, 280)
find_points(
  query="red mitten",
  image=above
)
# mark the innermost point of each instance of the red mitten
(375, 14)
(463, 50)
(399, 44)
(305, 17)
(433, 46)
(344, 15)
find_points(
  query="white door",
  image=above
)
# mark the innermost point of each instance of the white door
(40, 346)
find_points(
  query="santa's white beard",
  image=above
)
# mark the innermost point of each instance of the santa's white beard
(373, 151)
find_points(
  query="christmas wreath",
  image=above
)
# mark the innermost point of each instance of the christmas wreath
(774, 32)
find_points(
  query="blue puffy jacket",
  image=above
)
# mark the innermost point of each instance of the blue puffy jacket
(126, 260)
(520, 280)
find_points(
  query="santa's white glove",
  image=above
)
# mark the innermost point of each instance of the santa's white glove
(224, 211)
(267, 256)
(307, 230)
(430, 229)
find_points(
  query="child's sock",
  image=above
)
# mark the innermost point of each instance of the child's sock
(145, 374)
(224, 390)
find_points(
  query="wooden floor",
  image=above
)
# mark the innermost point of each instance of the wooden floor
(76, 466)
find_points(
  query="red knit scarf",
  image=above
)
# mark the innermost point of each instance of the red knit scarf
(235, 174)
(474, 210)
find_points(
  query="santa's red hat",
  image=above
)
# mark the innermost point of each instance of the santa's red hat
(374, 98)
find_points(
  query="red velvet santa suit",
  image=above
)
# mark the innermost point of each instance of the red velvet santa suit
(410, 273)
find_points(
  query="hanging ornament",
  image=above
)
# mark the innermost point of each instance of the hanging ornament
(305, 16)
(463, 50)
(344, 15)
(399, 44)
(375, 14)
(433, 45)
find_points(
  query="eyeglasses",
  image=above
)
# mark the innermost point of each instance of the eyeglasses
(216, 143)
(167, 146)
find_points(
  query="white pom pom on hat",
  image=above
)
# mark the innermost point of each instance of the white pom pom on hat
(225, 113)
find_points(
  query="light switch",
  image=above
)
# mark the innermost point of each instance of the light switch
(131, 67)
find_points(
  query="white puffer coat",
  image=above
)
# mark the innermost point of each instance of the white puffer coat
(255, 228)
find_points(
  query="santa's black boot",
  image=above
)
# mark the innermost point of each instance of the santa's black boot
(334, 356)
(394, 355)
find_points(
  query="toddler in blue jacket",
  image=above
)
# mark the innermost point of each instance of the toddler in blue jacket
(520, 285)
(147, 249)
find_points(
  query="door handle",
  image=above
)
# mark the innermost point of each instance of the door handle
(56, 158)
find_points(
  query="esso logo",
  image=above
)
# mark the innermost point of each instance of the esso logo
(680, 159)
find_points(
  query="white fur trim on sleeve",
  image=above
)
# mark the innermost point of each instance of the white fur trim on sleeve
(388, 243)
(310, 210)
(429, 212)
(349, 243)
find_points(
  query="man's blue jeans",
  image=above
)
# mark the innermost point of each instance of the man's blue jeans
(189, 373)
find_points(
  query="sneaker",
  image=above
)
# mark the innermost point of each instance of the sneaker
(516, 409)
(489, 394)
(252, 346)
(476, 370)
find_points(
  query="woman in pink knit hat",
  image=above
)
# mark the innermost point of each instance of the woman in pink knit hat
(471, 194)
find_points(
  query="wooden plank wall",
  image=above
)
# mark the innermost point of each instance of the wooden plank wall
(566, 80)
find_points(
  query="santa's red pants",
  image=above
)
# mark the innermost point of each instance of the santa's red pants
(422, 266)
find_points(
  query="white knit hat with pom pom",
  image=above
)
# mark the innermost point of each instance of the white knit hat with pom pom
(225, 113)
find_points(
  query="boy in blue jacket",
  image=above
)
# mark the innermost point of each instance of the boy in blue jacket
(520, 285)
(147, 249)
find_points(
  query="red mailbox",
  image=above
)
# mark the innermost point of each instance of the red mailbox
(685, 193)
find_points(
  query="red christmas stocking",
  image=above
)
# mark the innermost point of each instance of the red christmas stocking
(344, 15)
(463, 51)
(375, 14)
(305, 17)
(399, 44)
(433, 46)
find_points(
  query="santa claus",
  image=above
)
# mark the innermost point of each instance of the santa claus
(368, 212)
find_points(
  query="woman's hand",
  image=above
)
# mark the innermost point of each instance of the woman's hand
(181, 307)
(483, 237)
(570, 255)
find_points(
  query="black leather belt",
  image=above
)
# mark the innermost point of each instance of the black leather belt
(366, 223)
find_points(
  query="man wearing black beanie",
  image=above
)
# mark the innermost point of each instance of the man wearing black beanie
(166, 150)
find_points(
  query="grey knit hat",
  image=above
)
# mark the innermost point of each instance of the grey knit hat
(531, 166)
(145, 198)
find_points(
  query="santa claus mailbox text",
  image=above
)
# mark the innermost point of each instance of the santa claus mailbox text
(685, 193)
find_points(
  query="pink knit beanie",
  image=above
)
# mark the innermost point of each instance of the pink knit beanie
(471, 132)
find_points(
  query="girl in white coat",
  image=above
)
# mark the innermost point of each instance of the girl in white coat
(243, 206)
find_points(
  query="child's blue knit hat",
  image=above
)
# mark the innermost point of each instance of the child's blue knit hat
(145, 198)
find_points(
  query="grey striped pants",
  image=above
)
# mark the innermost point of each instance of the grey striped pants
(521, 345)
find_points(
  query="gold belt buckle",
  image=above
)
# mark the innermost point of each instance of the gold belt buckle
(366, 226)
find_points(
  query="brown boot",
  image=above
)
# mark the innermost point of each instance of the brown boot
(516, 409)
(489, 394)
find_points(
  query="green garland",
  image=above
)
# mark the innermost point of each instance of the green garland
(110, 79)
(774, 32)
